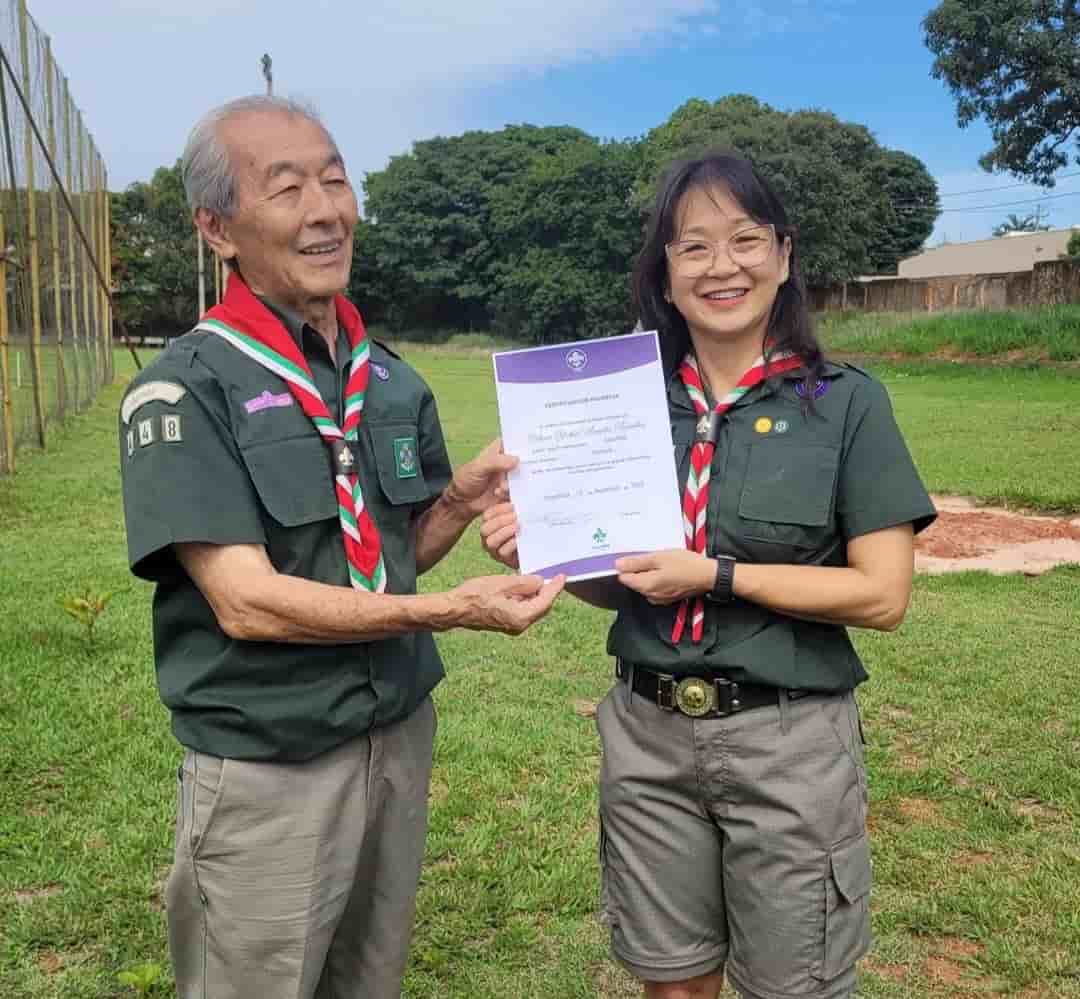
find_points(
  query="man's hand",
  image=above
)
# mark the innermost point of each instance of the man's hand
(508, 604)
(498, 533)
(667, 576)
(480, 483)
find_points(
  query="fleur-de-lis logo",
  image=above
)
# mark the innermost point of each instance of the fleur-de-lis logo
(576, 359)
(599, 536)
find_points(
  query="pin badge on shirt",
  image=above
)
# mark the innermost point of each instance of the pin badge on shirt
(763, 424)
(820, 388)
(383, 374)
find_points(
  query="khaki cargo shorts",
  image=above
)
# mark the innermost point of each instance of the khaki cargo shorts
(737, 843)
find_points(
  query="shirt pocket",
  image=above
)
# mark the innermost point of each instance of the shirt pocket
(396, 448)
(786, 506)
(292, 478)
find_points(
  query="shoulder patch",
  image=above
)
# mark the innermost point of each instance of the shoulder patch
(168, 392)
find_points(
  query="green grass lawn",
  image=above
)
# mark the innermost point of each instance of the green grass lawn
(972, 719)
(1050, 333)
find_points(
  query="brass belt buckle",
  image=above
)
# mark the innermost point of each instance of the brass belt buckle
(695, 697)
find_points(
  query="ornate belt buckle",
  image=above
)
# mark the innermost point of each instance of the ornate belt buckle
(695, 697)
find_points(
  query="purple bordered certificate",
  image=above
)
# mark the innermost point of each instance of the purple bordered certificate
(589, 422)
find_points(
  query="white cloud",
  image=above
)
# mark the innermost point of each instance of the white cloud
(384, 72)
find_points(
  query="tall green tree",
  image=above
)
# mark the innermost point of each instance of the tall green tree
(907, 211)
(1016, 64)
(432, 212)
(155, 256)
(849, 197)
(566, 235)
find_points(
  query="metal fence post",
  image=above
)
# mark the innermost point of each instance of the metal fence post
(33, 249)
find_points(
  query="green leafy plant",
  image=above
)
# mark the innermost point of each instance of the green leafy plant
(141, 977)
(86, 609)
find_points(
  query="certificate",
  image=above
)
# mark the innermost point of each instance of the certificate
(596, 480)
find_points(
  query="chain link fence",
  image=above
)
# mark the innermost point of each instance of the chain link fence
(55, 315)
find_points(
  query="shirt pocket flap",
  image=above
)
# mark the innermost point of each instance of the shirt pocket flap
(397, 459)
(790, 484)
(292, 478)
(850, 863)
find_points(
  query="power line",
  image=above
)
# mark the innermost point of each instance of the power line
(1003, 187)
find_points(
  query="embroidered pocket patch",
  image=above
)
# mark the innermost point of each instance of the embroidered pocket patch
(405, 460)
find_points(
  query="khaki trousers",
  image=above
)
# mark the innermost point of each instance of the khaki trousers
(298, 880)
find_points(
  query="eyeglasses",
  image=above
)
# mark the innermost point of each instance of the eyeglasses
(750, 247)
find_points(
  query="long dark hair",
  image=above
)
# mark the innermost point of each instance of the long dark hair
(789, 327)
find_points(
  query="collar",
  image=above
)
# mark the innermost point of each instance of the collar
(679, 398)
(296, 327)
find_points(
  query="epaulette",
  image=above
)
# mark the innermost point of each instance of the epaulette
(855, 367)
(392, 353)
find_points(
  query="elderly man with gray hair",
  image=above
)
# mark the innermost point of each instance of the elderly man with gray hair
(285, 481)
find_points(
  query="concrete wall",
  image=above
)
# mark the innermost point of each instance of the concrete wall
(1054, 282)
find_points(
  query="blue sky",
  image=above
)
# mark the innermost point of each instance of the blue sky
(388, 72)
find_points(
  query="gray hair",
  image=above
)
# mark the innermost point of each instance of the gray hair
(209, 181)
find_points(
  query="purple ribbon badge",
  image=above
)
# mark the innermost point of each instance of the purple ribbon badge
(267, 400)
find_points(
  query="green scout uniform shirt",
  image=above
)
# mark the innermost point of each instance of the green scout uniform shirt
(235, 460)
(786, 488)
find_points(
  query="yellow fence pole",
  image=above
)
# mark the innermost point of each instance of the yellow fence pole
(72, 268)
(33, 249)
(106, 268)
(90, 340)
(54, 228)
(7, 412)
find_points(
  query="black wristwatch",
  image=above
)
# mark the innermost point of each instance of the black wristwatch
(721, 592)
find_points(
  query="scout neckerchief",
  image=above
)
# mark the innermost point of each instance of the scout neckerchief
(696, 498)
(247, 324)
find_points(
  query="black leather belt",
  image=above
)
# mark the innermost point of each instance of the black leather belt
(700, 696)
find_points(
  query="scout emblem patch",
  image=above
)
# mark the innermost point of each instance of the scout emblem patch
(383, 374)
(405, 457)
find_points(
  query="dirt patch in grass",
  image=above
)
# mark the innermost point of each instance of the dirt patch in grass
(967, 536)
(922, 811)
(25, 896)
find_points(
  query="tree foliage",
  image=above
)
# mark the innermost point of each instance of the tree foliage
(1015, 63)
(858, 207)
(1021, 223)
(155, 256)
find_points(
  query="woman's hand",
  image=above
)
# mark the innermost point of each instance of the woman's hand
(498, 533)
(668, 576)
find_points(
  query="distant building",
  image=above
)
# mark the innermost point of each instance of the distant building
(1019, 251)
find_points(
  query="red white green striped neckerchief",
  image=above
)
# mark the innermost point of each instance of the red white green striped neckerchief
(696, 497)
(243, 321)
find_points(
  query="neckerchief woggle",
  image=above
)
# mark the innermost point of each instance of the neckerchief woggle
(695, 503)
(249, 326)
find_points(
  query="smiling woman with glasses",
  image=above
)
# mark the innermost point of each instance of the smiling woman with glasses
(733, 786)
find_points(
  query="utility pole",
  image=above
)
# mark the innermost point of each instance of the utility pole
(268, 72)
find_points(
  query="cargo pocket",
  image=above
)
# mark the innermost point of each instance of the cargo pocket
(847, 907)
(786, 503)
